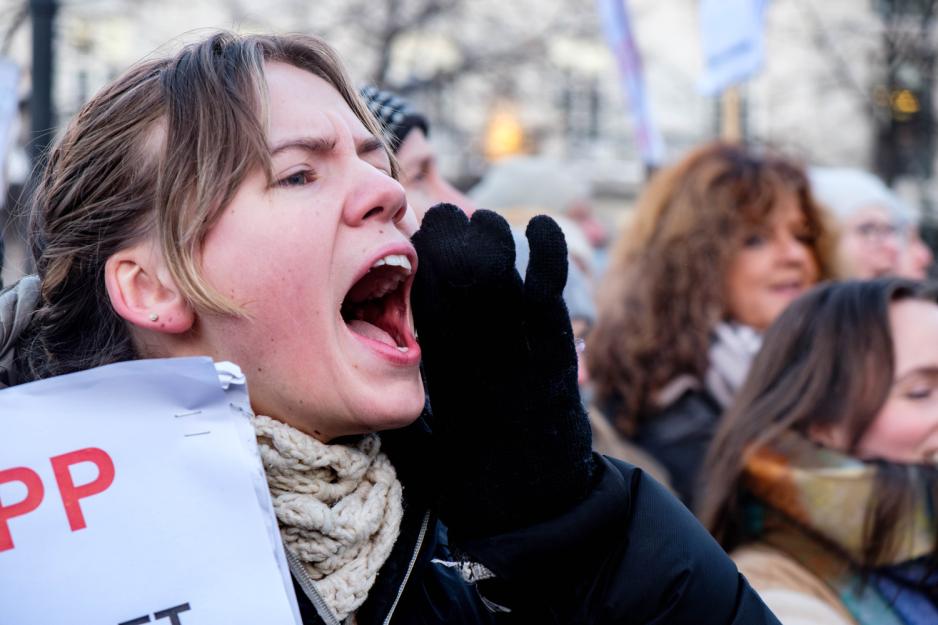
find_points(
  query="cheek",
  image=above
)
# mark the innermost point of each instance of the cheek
(895, 434)
(743, 279)
(853, 255)
(419, 200)
(261, 254)
(410, 223)
(812, 271)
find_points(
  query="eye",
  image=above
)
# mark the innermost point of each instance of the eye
(805, 238)
(919, 392)
(875, 231)
(422, 173)
(297, 178)
(754, 240)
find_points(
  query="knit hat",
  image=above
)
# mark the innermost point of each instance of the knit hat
(536, 182)
(395, 114)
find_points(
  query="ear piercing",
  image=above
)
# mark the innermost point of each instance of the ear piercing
(154, 317)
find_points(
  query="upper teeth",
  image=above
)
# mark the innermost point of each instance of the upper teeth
(395, 260)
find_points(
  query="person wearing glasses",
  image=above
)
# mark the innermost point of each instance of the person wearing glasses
(878, 236)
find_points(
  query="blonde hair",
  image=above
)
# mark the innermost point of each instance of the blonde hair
(159, 152)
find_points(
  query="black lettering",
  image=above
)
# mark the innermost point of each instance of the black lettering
(137, 621)
(172, 613)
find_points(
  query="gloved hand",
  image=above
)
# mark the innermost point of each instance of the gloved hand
(512, 443)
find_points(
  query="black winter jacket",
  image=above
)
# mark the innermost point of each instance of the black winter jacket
(678, 437)
(629, 553)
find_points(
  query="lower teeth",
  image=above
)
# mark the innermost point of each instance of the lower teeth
(403, 349)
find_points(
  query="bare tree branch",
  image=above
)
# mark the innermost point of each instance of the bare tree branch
(470, 64)
(841, 68)
(398, 24)
(20, 13)
(392, 27)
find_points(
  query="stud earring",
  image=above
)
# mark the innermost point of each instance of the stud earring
(154, 317)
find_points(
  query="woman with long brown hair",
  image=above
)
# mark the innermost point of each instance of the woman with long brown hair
(719, 245)
(822, 477)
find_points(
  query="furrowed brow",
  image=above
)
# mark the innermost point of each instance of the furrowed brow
(316, 145)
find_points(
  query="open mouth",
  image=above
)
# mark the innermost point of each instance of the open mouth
(375, 308)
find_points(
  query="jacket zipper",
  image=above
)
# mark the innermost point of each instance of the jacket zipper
(410, 566)
(306, 583)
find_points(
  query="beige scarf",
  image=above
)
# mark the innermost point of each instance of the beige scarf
(732, 350)
(339, 508)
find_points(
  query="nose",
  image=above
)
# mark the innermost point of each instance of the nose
(375, 196)
(886, 253)
(917, 259)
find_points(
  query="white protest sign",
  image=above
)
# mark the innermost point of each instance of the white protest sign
(731, 32)
(134, 493)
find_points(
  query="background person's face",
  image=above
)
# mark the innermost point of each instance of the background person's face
(906, 428)
(421, 177)
(869, 244)
(775, 265)
(290, 253)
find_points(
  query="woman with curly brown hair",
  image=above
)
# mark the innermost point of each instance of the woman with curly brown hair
(719, 245)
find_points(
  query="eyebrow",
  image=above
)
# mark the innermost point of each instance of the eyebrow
(927, 370)
(420, 164)
(319, 145)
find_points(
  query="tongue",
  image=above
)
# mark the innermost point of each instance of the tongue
(371, 331)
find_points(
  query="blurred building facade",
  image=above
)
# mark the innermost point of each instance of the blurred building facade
(536, 74)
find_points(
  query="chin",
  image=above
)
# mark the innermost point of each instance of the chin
(397, 406)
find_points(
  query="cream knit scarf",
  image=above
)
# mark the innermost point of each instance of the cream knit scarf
(339, 508)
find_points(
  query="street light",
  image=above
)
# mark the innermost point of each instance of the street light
(41, 113)
(504, 135)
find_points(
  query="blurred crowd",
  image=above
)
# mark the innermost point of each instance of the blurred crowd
(759, 336)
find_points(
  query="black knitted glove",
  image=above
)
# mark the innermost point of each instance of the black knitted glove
(512, 443)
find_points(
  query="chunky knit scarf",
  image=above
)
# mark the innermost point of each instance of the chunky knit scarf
(339, 508)
(810, 502)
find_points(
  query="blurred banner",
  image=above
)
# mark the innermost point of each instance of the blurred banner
(9, 79)
(731, 32)
(618, 29)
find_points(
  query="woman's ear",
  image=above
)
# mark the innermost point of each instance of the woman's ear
(143, 292)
